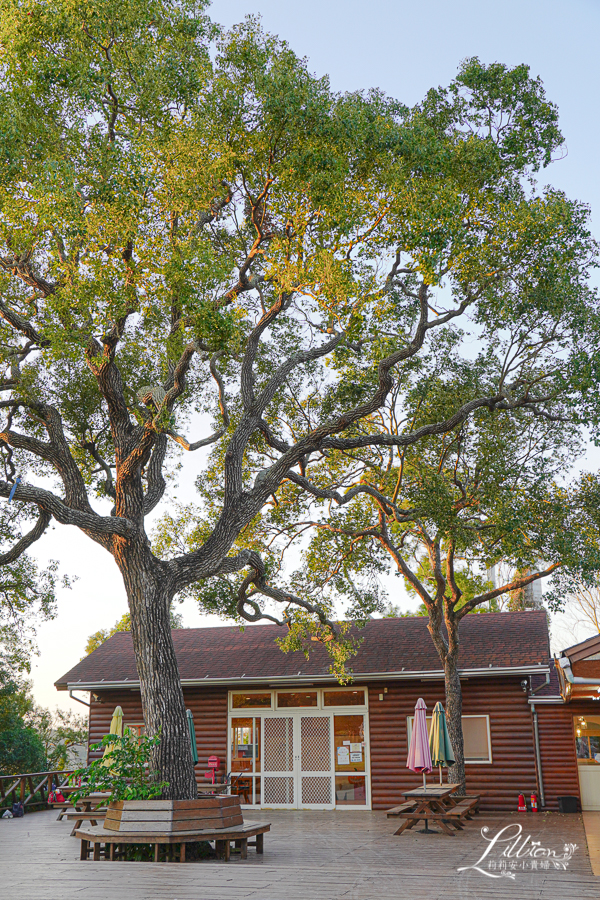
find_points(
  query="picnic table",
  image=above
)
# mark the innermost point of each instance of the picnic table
(435, 803)
(91, 807)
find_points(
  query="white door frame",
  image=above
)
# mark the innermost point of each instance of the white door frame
(295, 714)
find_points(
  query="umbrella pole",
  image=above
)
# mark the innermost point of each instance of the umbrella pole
(440, 774)
(424, 779)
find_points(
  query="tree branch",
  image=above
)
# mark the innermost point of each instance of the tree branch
(27, 540)
(96, 526)
(513, 586)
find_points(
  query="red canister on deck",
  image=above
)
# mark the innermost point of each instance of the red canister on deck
(534, 803)
(522, 805)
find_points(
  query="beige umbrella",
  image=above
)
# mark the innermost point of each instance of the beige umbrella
(116, 727)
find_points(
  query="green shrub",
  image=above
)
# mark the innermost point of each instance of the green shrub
(124, 769)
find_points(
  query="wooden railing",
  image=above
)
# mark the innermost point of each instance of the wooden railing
(26, 787)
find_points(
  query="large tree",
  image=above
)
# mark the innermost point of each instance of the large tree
(190, 233)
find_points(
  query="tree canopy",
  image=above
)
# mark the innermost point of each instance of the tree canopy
(194, 226)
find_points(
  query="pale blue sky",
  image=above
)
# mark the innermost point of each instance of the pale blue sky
(404, 49)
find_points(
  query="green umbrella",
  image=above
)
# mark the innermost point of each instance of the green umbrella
(442, 753)
(190, 719)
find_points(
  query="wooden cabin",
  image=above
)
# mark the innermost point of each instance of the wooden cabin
(292, 737)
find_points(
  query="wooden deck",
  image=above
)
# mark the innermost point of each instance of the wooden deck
(343, 855)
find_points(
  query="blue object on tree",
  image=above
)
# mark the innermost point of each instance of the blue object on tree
(13, 488)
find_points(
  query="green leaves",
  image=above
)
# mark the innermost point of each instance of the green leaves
(123, 770)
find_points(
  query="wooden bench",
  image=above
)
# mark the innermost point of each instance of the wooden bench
(62, 807)
(99, 841)
(464, 809)
(94, 816)
(402, 809)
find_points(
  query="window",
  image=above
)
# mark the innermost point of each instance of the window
(248, 700)
(246, 759)
(137, 728)
(476, 736)
(344, 698)
(587, 740)
(349, 750)
(288, 699)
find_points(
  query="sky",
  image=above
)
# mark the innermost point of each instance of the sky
(403, 49)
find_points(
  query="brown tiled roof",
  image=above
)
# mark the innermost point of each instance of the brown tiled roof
(494, 640)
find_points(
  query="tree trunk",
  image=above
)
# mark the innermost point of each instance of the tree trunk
(456, 773)
(162, 696)
(447, 649)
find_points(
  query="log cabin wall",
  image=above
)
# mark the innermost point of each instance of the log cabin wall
(557, 747)
(513, 755)
(209, 709)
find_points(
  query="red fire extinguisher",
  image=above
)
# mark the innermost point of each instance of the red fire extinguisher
(522, 804)
(534, 803)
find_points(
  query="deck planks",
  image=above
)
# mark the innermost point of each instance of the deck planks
(310, 855)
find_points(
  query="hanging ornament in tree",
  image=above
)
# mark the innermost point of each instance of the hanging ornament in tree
(13, 488)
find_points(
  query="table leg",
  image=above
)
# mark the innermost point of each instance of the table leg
(84, 850)
(259, 843)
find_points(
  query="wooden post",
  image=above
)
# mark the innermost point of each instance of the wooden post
(182, 852)
(22, 790)
(156, 846)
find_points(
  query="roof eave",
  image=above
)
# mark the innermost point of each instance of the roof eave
(403, 675)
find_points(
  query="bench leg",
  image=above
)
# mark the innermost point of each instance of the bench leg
(227, 851)
(182, 852)
(96, 852)
(156, 847)
(84, 850)
(407, 823)
(111, 851)
(259, 843)
(244, 849)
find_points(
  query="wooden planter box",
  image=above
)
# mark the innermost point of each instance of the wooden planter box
(172, 816)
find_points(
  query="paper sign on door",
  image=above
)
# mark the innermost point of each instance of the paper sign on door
(356, 757)
(356, 748)
(343, 756)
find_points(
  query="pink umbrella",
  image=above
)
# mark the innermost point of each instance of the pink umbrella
(419, 754)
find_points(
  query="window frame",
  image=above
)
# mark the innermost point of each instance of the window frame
(238, 710)
(471, 761)
(320, 691)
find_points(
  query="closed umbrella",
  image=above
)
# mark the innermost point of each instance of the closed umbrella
(116, 727)
(419, 755)
(190, 720)
(442, 753)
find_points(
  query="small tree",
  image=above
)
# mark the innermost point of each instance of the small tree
(186, 233)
